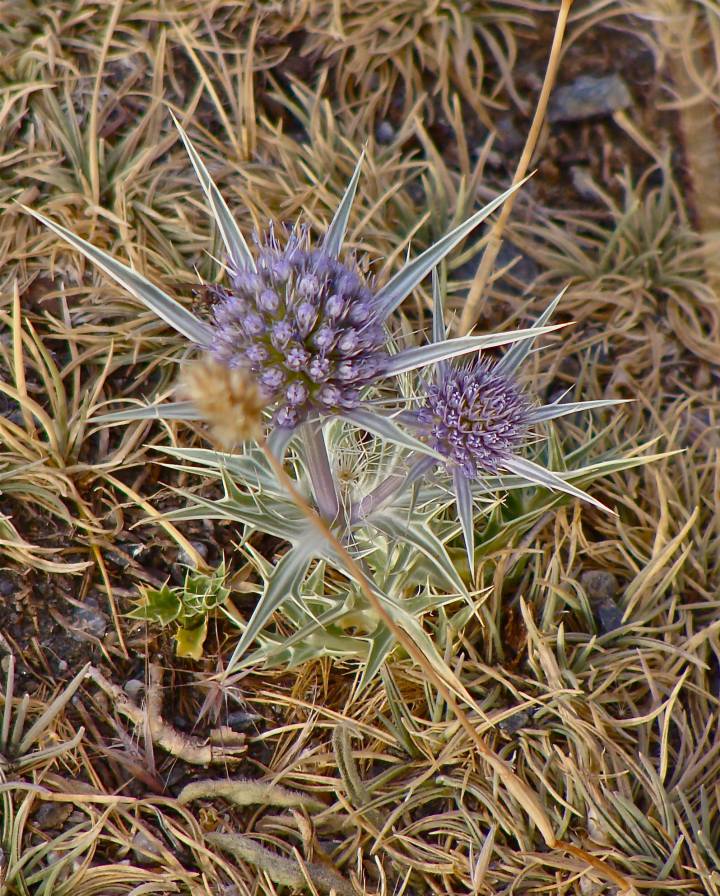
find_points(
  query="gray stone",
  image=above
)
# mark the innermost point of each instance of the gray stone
(134, 688)
(187, 560)
(602, 589)
(516, 722)
(599, 585)
(385, 132)
(588, 96)
(609, 616)
(91, 620)
(52, 815)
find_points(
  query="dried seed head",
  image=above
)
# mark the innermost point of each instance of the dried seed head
(228, 399)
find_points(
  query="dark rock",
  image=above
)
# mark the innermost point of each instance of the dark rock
(602, 589)
(588, 96)
(609, 616)
(134, 689)
(90, 620)
(146, 850)
(52, 815)
(523, 270)
(599, 585)
(516, 722)
(509, 138)
(240, 721)
(187, 560)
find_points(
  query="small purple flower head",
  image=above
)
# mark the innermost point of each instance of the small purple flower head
(304, 324)
(475, 417)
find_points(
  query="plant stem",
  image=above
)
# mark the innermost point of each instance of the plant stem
(321, 477)
(471, 311)
(390, 486)
(367, 505)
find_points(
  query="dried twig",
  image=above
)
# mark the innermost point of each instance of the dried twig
(222, 745)
(471, 310)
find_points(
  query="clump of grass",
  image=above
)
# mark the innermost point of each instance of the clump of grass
(639, 264)
(393, 53)
(62, 834)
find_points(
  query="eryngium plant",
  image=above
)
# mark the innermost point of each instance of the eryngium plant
(298, 336)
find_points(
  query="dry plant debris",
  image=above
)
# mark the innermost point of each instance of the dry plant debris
(222, 745)
(613, 727)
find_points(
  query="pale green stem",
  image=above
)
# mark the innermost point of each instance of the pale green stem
(390, 486)
(321, 477)
(387, 488)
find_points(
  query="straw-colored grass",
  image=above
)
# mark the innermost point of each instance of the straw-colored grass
(610, 733)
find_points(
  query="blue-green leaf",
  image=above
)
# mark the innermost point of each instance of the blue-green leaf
(464, 501)
(538, 475)
(381, 643)
(283, 584)
(402, 284)
(424, 540)
(279, 441)
(231, 234)
(552, 411)
(168, 309)
(439, 330)
(512, 359)
(171, 410)
(412, 358)
(336, 231)
(387, 429)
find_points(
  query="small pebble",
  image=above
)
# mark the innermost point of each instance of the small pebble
(581, 179)
(385, 132)
(187, 560)
(524, 267)
(134, 688)
(240, 721)
(602, 589)
(609, 615)
(146, 850)
(516, 722)
(587, 97)
(599, 585)
(52, 815)
(509, 138)
(91, 620)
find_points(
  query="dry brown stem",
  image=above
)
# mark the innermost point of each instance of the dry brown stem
(471, 310)
(223, 745)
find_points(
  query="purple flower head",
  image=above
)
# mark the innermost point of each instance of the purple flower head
(475, 417)
(304, 324)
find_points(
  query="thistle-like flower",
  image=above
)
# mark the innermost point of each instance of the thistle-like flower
(305, 324)
(475, 417)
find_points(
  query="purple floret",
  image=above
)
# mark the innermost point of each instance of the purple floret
(474, 417)
(305, 324)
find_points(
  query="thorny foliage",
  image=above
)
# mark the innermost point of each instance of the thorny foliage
(611, 727)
